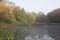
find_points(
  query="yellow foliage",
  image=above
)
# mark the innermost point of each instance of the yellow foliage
(3, 7)
(3, 10)
(32, 16)
(6, 11)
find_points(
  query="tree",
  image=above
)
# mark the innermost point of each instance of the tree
(6, 34)
(6, 13)
(31, 17)
(22, 16)
(41, 18)
(54, 16)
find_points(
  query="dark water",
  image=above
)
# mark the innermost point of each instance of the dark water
(38, 32)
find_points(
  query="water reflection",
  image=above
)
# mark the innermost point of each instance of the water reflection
(45, 37)
(28, 38)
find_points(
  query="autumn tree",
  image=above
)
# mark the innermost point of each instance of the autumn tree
(32, 17)
(6, 13)
(54, 16)
(22, 16)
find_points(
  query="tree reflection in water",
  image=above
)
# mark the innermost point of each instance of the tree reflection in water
(45, 37)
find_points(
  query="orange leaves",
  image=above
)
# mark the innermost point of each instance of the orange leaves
(32, 16)
(57, 10)
(6, 12)
(3, 8)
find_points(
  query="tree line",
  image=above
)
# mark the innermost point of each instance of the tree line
(10, 13)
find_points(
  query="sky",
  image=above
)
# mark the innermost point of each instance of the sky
(38, 5)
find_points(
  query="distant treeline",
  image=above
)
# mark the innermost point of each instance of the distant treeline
(10, 13)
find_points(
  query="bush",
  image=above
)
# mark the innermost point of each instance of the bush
(6, 34)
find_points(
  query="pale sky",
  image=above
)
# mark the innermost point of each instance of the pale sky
(38, 5)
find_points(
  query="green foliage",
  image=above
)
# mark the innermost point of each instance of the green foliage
(22, 17)
(10, 14)
(6, 34)
(8, 21)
